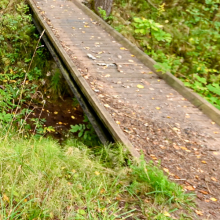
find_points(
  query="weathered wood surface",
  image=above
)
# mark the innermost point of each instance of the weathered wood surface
(112, 89)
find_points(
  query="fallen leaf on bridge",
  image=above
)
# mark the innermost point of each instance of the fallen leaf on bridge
(190, 188)
(214, 179)
(199, 212)
(203, 192)
(107, 105)
(140, 86)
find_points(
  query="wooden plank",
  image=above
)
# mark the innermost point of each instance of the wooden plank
(106, 119)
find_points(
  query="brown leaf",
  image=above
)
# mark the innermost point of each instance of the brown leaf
(102, 191)
(204, 192)
(153, 157)
(190, 188)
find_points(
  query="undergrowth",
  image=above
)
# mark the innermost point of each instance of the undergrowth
(182, 36)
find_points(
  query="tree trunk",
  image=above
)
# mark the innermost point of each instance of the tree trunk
(103, 4)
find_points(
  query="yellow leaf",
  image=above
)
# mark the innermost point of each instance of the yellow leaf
(5, 197)
(166, 214)
(203, 161)
(166, 170)
(199, 212)
(158, 108)
(123, 48)
(97, 173)
(213, 199)
(118, 122)
(131, 61)
(184, 148)
(72, 117)
(140, 86)
(12, 81)
(107, 105)
(214, 179)
(60, 123)
(55, 113)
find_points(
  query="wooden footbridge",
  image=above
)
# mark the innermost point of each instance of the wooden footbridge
(127, 101)
(116, 83)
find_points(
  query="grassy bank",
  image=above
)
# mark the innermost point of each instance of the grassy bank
(39, 180)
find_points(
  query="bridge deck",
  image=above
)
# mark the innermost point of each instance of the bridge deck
(153, 116)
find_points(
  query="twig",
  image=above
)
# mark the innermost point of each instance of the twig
(175, 132)
(39, 116)
(178, 179)
(208, 187)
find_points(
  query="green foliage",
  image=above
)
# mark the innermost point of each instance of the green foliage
(17, 45)
(184, 40)
(85, 132)
(148, 27)
(159, 183)
(199, 84)
(102, 13)
(56, 84)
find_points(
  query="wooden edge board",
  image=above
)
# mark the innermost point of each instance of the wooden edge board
(106, 119)
(199, 102)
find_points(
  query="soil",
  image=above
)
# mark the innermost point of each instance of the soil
(59, 114)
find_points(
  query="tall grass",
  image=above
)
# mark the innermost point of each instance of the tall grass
(41, 180)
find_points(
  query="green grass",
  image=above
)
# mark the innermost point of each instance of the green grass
(41, 180)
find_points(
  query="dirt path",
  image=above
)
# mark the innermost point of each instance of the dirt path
(156, 119)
